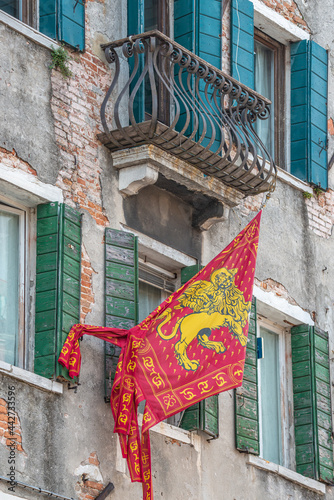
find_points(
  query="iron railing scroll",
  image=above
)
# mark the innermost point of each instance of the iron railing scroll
(181, 104)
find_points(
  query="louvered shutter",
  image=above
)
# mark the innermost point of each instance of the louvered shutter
(309, 67)
(58, 276)
(203, 415)
(312, 402)
(197, 27)
(246, 396)
(64, 21)
(121, 292)
(242, 41)
(71, 23)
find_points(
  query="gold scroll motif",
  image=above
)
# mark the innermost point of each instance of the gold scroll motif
(188, 394)
(204, 387)
(169, 401)
(155, 376)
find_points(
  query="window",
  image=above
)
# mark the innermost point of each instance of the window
(274, 372)
(12, 285)
(269, 82)
(21, 9)
(61, 20)
(155, 284)
(283, 408)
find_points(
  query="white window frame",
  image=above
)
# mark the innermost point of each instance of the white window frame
(22, 191)
(9, 206)
(285, 373)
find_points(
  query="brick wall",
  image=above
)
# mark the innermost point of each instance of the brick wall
(76, 103)
(10, 159)
(87, 295)
(289, 10)
(270, 285)
(226, 59)
(320, 209)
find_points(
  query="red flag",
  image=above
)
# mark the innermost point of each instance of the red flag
(191, 347)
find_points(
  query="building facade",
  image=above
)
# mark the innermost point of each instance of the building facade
(101, 220)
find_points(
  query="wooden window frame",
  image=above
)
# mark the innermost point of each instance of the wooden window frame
(279, 93)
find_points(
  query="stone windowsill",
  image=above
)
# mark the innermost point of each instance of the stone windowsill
(27, 31)
(293, 181)
(288, 474)
(168, 430)
(31, 378)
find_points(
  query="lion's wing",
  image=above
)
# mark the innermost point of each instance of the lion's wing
(199, 297)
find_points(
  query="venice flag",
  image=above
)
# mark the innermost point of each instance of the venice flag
(191, 347)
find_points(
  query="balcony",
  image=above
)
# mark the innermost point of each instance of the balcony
(177, 103)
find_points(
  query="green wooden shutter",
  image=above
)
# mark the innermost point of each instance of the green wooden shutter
(246, 396)
(58, 274)
(121, 292)
(309, 66)
(47, 251)
(205, 414)
(242, 41)
(63, 20)
(312, 402)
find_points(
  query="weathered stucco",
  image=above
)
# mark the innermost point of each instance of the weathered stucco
(25, 92)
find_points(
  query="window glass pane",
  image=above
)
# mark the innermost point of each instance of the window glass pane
(270, 398)
(11, 7)
(9, 286)
(264, 85)
(151, 15)
(149, 299)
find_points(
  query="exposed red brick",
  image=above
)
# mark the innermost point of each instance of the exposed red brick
(93, 459)
(331, 126)
(13, 433)
(94, 485)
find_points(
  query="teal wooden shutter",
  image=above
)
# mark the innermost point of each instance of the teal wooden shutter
(246, 396)
(136, 26)
(312, 402)
(242, 41)
(184, 17)
(205, 414)
(197, 27)
(121, 293)
(71, 23)
(63, 20)
(309, 67)
(135, 17)
(58, 276)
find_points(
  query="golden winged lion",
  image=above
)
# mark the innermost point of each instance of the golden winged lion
(216, 303)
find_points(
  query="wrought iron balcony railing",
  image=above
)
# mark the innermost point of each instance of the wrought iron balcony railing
(181, 104)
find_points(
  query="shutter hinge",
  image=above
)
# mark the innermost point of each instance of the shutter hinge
(259, 348)
(74, 387)
(323, 145)
(81, 2)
